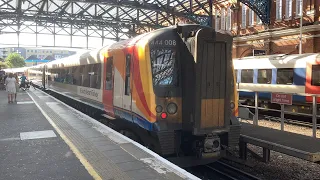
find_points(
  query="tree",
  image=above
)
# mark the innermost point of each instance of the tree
(3, 65)
(15, 60)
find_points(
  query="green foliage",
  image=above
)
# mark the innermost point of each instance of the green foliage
(3, 65)
(15, 60)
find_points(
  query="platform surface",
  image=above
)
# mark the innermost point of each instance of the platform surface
(284, 138)
(42, 138)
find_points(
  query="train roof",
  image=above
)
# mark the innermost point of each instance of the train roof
(96, 56)
(275, 61)
(15, 70)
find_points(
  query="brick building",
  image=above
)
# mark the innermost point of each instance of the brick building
(280, 37)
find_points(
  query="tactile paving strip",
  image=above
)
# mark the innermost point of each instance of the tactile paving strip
(103, 165)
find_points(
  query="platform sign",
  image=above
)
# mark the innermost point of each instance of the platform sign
(257, 52)
(280, 98)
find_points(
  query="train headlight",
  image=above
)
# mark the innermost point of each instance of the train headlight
(232, 105)
(172, 108)
(159, 109)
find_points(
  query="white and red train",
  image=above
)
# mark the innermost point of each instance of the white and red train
(294, 74)
(171, 89)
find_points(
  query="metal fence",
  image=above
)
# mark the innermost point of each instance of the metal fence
(282, 111)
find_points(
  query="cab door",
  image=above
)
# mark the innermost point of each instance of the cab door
(127, 98)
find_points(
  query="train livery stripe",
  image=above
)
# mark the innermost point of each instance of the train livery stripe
(136, 118)
(138, 86)
(146, 76)
(271, 88)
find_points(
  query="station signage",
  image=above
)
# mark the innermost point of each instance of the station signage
(280, 98)
(257, 52)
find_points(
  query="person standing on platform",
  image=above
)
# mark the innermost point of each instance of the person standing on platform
(23, 81)
(17, 86)
(11, 87)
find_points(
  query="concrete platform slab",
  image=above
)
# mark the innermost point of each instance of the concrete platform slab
(81, 142)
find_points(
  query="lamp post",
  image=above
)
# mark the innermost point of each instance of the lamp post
(301, 21)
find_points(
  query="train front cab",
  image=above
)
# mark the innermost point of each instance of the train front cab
(200, 94)
(176, 86)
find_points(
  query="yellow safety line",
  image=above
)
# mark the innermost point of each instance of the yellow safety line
(78, 154)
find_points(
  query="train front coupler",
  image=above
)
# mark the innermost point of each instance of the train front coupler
(208, 146)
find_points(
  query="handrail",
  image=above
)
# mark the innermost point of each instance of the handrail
(314, 114)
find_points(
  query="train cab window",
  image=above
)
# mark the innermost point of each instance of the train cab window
(163, 64)
(285, 76)
(128, 66)
(264, 76)
(246, 76)
(109, 76)
(315, 78)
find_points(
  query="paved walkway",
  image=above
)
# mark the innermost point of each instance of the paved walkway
(30, 147)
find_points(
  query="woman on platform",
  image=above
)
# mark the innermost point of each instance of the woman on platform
(11, 87)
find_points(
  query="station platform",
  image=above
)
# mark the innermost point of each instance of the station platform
(300, 146)
(43, 138)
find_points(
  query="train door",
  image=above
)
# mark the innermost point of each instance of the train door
(127, 99)
(108, 86)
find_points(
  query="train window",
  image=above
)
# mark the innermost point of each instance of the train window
(127, 85)
(246, 76)
(163, 62)
(95, 76)
(315, 78)
(264, 76)
(86, 76)
(109, 76)
(285, 76)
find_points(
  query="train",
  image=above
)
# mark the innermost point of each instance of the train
(171, 89)
(296, 74)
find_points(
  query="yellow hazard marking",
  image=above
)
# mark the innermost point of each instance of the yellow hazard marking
(74, 149)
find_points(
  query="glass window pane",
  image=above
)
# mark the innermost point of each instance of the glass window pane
(315, 78)
(247, 76)
(264, 76)
(285, 76)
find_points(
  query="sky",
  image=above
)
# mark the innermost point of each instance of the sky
(27, 40)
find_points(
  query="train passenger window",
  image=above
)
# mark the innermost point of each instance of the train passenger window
(264, 76)
(246, 76)
(127, 85)
(109, 76)
(315, 77)
(85, 75)
(285, 76)
(95, 76)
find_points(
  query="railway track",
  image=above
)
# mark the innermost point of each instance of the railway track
(304, 121)
(290, 121)
(221, 171)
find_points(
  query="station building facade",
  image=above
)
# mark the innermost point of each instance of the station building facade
(282, 36)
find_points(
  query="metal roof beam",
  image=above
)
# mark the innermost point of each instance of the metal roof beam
(42, 6)
(159, 7)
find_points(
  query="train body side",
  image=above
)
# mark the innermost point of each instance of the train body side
(301, 68)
